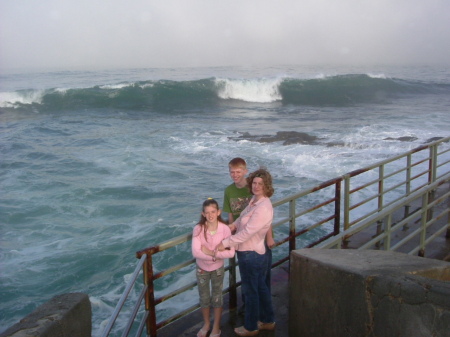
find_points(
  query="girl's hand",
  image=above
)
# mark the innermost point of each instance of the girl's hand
(207, 251)
(220, 247)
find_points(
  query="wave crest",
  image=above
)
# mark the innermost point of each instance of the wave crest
(165, 95)
(257, 90)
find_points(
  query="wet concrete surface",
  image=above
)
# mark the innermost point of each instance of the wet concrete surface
(192, 323)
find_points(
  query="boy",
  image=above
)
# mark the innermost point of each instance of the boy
(236, 195)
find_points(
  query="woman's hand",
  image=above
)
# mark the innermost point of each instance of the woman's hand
(220, 247)
(270, 242)
(232, 228)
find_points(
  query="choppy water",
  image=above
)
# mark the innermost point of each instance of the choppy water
(98, 165)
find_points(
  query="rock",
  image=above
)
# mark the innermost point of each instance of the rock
(287, 137)
(402, 139)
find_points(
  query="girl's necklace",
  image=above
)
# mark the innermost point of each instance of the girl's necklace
(212, 232)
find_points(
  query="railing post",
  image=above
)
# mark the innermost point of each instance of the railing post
(380, 200)
(150, 296)
(291, 225)
(408, 188)
(346, 201)
(432, 177)
(423, 224)
(447, 234)
(337, 207)
(337, 212)
(387, 242)
(433, 164)
(232, 283)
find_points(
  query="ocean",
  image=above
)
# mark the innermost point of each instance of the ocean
(96, 165)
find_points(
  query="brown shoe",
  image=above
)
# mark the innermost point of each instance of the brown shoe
(266, 326)
(241, 331)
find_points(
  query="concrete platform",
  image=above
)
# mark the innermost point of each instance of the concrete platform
(64, 315)
(191, 324)
(347, 292)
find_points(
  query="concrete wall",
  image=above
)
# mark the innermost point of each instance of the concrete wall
(337, 292)
(67, 315)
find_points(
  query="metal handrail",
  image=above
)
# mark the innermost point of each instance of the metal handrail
(124, 296)
(338, 241)
(416, 179)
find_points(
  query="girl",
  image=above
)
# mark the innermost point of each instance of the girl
(207, 234)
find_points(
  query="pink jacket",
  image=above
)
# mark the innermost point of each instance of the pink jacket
(204, 261)
(252, 226)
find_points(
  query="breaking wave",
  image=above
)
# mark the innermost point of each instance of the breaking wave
(338, 90)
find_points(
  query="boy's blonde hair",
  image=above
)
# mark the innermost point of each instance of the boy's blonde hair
(237, 162)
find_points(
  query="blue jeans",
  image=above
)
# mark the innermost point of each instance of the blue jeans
(268, 275)
(269, 268)
(258, 299)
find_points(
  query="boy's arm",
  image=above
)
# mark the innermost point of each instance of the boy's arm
(230, 218)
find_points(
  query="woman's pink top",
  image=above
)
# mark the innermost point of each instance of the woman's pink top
(252, 226)
(204, 261)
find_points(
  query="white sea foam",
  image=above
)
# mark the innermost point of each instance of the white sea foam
(99, 303)
(16, 98)
(116, 86)
(256, 90)
(382, 76)
(147, 85)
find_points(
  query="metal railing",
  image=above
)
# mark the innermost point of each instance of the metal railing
(369, 196)
(422, 219)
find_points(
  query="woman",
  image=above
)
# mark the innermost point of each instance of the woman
(251, 228)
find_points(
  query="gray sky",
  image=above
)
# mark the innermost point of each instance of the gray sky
(86, 34)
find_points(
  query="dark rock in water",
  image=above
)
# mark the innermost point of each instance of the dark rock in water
(410, 139)
(402, 139)
(336, 144)
(431, 140)
(287, 137)
(293, 137)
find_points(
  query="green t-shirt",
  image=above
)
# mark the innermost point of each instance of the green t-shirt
(235, 200)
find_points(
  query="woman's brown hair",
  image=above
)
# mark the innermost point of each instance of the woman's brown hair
(267, 181)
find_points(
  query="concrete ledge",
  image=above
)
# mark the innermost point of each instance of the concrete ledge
(66, 315)
(337, 292)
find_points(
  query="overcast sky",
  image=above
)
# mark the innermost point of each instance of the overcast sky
(86, 34)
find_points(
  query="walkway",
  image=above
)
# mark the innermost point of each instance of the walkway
(189, 325)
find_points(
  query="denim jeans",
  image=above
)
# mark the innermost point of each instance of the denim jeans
(268, 275)
(210, 296)
(258, 299)
(269, 268)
